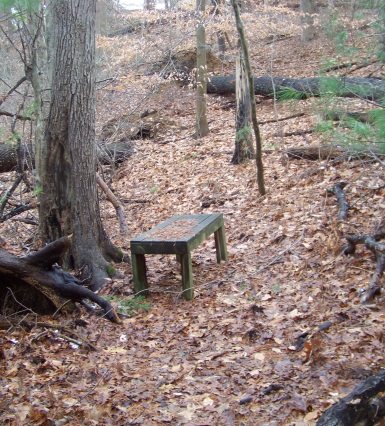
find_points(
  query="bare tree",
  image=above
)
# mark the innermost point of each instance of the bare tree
(250, 78)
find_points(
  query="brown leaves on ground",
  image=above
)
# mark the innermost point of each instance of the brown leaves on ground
(252, 347)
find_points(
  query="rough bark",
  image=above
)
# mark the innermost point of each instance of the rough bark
(367, 88)
(244, 149)
(68, 191)
(32, 282)
(257, 134)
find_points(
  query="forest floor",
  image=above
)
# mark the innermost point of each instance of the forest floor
(235, 354)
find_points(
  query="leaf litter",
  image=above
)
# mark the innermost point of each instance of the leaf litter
(274, 336)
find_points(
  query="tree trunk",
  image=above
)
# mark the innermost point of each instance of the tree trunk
(257, 134)
(307, 21)
(67, 157)
(202, 127)
(356, 87)
(244, 149)
(149, 5)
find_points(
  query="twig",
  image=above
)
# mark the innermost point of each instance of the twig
(12, 89)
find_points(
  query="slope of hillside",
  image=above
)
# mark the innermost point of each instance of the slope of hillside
(276, 334)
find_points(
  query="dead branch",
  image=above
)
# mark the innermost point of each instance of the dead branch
(18, 210)
(374, 287)
(8, 193)
(115, 202)
(337, 190)
(378, 250)
(11, 90)
(295, 133)
(353, 240)
(17, 116)
(315, 152)
(364, 403)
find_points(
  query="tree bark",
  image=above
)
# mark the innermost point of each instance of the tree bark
(366, 88)
(202, 127)
(244, 149)
(67, 158)
(362, 404)
(307, 21)
(257, 134)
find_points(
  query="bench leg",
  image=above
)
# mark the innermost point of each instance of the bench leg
(139, 274)
(187, 277)
(220, 244)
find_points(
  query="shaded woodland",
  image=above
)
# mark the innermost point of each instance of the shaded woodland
(289, 330)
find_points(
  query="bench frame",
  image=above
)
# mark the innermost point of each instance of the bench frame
(206, 224)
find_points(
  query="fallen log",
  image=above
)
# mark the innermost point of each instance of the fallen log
(33, 283)
(365, 403)
(367, 88)
(107, 154)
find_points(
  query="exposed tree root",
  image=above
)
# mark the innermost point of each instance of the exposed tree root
(35, 283)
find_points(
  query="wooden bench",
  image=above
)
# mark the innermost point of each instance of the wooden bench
(178, 235)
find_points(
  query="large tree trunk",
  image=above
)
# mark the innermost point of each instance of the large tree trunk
(67, 158)
(367, 88)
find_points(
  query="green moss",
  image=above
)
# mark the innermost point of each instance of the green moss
(130, 305)
(111, 271)
(119, 253)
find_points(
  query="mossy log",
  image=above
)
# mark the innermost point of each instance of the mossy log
(33, 283)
